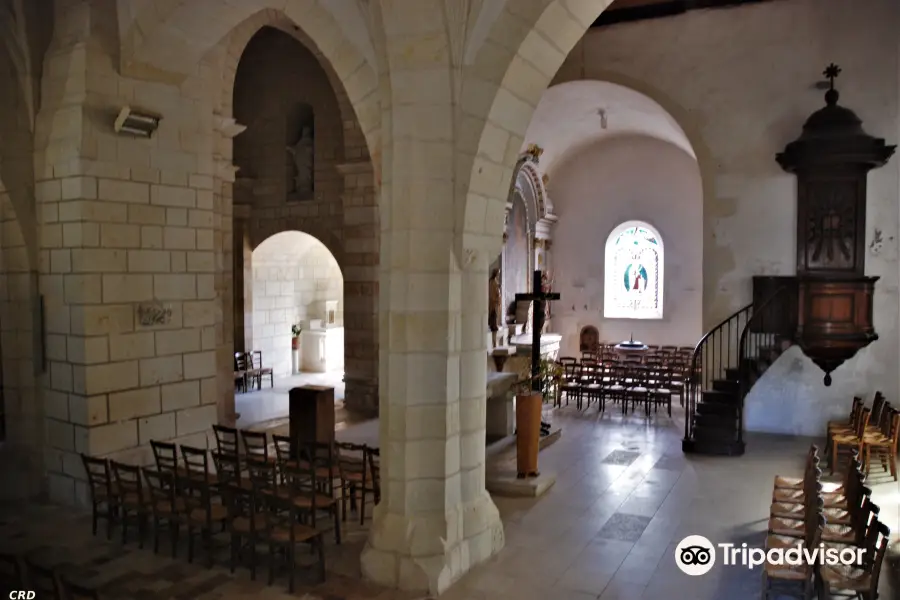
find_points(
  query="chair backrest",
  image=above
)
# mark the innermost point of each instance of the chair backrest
(196, 463)
(228, 468)
(128, 478)
(282, 445)
(241, 363)
(256, 361)
(893, 428)
(876, 547)
(877, 406)
(863, 422)
(226, 439)
(161, 488)
(563, 360)
(256, 443)
(374, 456)
(353, 459)
(99, 476)
(166, 455)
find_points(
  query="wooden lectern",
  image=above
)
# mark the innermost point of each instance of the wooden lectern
(528, 433)
(311, 415)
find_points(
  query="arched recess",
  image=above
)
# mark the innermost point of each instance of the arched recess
(612, 154)
(516, 61)
(275, 68)
(172, 38)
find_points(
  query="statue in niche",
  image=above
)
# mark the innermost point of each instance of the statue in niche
(495, 306)
(302, 153)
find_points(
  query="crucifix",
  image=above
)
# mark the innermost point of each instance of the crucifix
(539, 296)
(529, 425)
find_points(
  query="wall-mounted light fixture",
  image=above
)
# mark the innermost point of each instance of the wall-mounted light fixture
(134, 122)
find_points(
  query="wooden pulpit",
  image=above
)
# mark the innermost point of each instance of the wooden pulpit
(311, 415)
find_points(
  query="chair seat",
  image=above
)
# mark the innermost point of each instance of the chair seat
(847, 439)
(301, 532)
(217, 513)
(787, 527)
(166, 507)
(789, 483)
(782, 542)
(133, 500)
(788, 572)
(354, 476)
(790, 496)
(788, 510)
(844, 534)
(876, 439)
(835, 500)
(846, 578)
(242, 524)
(838, 516)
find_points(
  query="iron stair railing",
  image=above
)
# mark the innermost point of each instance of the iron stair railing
(716, 351)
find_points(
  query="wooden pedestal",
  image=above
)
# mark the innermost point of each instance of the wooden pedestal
(311, 415)
(528, 434)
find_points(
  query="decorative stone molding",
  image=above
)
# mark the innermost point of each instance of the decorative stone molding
(228, 127)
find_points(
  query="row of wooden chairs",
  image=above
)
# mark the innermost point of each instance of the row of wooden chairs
(607, 351)
(249, 371)
(355, 466)
(22, 573)
(868, 432)
(647, 385)
(840, 516)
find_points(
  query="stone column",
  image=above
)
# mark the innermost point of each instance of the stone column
(360, 273)
(131, 282)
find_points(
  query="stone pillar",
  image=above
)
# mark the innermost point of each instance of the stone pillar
(360, 273)
(130, 283)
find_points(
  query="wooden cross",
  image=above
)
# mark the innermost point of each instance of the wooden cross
(539, 297)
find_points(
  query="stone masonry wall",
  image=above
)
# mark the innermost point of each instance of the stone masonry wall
(128, 223)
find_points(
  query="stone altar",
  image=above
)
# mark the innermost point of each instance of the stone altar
(501, 413)
(322, 349)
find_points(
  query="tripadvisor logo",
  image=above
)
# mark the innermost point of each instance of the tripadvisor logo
(695, 555)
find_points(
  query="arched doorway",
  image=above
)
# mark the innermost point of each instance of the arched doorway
(294, 318)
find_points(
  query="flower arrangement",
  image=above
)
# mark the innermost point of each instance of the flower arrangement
(296, 330)
(534, 151)
(549, 375)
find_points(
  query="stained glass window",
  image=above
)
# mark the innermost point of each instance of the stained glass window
(634, 273)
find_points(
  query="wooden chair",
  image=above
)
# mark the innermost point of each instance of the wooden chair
(883, 446)
(853, 533)
(570, 384)
(637, 387)
(251, 374)
(167, 508)
(374, 455)
(259, 371)
(878, 404)
(794, 483)
(660, 385)
(241, 367)
(861, 580)
(196, 464)
(591, 383)
(243, 519)
(282, 527)
(356, 478)
(777, 577)
(103, 496)
(851, 441)
(133, 499)
(850, 423)
(165, 454)
(227, 440)
(256, 444)
(203, 511)
(317, 463)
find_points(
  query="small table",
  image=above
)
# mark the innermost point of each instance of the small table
(631, 348)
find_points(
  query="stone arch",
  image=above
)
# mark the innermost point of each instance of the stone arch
(325, 237)
(518, 59)
(174, 38)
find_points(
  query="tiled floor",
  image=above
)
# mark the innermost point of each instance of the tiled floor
(624, 497)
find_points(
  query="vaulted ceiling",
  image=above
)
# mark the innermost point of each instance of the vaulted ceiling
(622, 11)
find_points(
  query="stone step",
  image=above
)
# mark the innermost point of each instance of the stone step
(733, 374)
(726, 424)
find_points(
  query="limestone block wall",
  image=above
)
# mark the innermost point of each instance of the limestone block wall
(293, 276)
(275, 74)
(128, 224)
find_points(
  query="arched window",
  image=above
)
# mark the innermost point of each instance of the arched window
(634, 273)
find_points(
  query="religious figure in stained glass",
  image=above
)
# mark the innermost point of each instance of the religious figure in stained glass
(634, 272)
